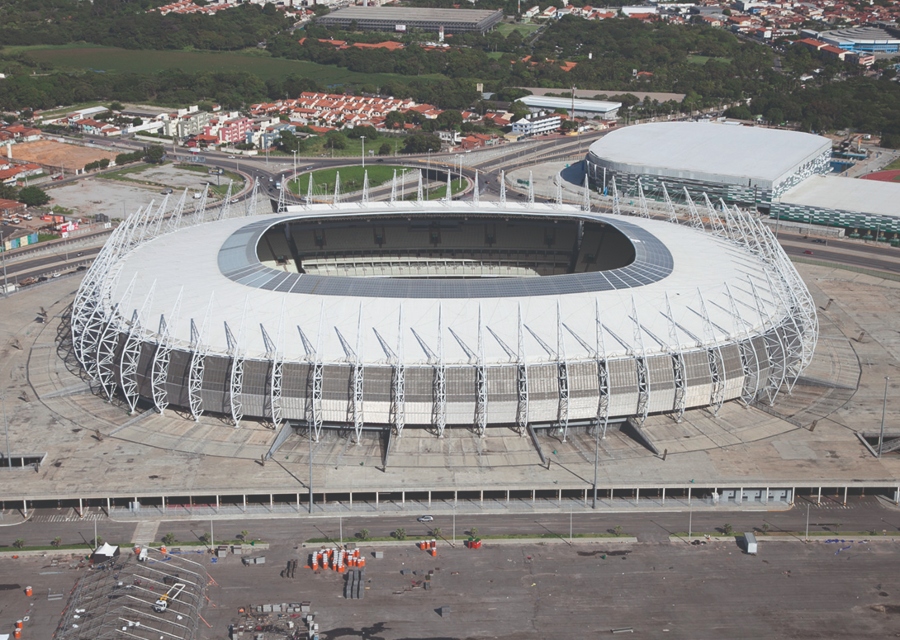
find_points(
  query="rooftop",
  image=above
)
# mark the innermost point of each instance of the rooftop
(713, 149)
(600, 106)
(846, 194)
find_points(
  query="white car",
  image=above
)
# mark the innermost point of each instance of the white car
(231, 157)
(425, 519)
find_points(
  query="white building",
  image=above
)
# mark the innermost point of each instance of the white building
(537, 124)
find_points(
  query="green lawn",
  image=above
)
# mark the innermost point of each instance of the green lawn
(80, 57)
(506, 28)
(351, 178)
(893, 166)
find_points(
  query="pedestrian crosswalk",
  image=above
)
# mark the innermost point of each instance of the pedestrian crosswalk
(71, 516)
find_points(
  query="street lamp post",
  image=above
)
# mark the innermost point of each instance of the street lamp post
(310, 471)
(295, 169)
(883, 411)
(363, 138)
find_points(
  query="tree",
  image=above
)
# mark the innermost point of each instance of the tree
(617, 530)
(394, 120)
(155, 153)
(473, 532)
(137, 122)
(727, 529)
(765, 528)
(33, 196)
(421, 143)
(243, 535)
(19, 543)
(400, 533)
(336, 140)
(98, 541)
(116, 106)
(56, 542)
(168, 539)
(363, 534)
(436, 532)
(384, 149)
(204, 538)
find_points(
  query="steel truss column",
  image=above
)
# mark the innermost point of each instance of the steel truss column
(678, 368)
(717, 227)
(198, 363)
(448, 196)
(393, 199)
(640, 361)
(481, 392)
(317, 378)
(602, 373)
(521, 380)
(236, 371)
(399, 390)
(251, 201)
(696, 220)
(475, 191)
(159, 371)
(226, 204)
(275, 354)
(792, 341)
(562, 377)
(439, 410)
(616, 208)
(177, 213)
(733, 226)
(358, 373)
(200, 210)
(748, 355)
(128, 363)
(420, 196)
(502, 188)
(337, 189)
(365, 189)
(714, 358)
(671, 214)
(530, 188)
(772, 341)
(642, 201)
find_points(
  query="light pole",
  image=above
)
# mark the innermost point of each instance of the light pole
(295, 169)
(310, 471)
(596, 462)
(883, 411)
(363, 138)
(3, 258)
(807, 522)
(690, 521)
(6, 428)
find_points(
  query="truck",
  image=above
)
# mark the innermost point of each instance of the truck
(168, 597)
(750, 543)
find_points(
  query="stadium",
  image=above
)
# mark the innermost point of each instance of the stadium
(440, 315)
(748, 166)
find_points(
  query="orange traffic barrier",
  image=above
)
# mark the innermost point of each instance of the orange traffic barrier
(19, 624)
(17, 633)
(28, 591)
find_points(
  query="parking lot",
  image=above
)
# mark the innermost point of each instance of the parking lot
(673, 590)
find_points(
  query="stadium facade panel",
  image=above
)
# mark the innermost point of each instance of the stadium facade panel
(467, 315)
(742, 165)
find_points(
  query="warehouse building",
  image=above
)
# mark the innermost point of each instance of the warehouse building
(408, 18)
(582, 108)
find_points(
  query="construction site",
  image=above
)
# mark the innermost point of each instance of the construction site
(58, 156)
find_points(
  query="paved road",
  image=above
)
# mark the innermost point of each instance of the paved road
(863, 514)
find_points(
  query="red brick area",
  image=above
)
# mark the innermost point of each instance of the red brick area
(884, 176)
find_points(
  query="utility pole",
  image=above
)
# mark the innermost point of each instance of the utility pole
(310, 471)
(363, 138)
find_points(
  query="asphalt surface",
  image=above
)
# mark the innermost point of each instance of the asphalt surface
(863, 514)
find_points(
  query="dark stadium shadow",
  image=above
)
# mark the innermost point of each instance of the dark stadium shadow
(574, 174)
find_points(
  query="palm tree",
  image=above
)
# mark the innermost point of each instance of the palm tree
(56, 541)
(400, 534)
(363, 534)
(436, 532)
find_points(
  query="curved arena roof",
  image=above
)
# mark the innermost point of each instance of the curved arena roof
(708, 152)
(214, 314)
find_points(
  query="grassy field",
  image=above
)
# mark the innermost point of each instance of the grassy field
(892, 166)
(113, 59)
(506, 28)
(352, 180)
